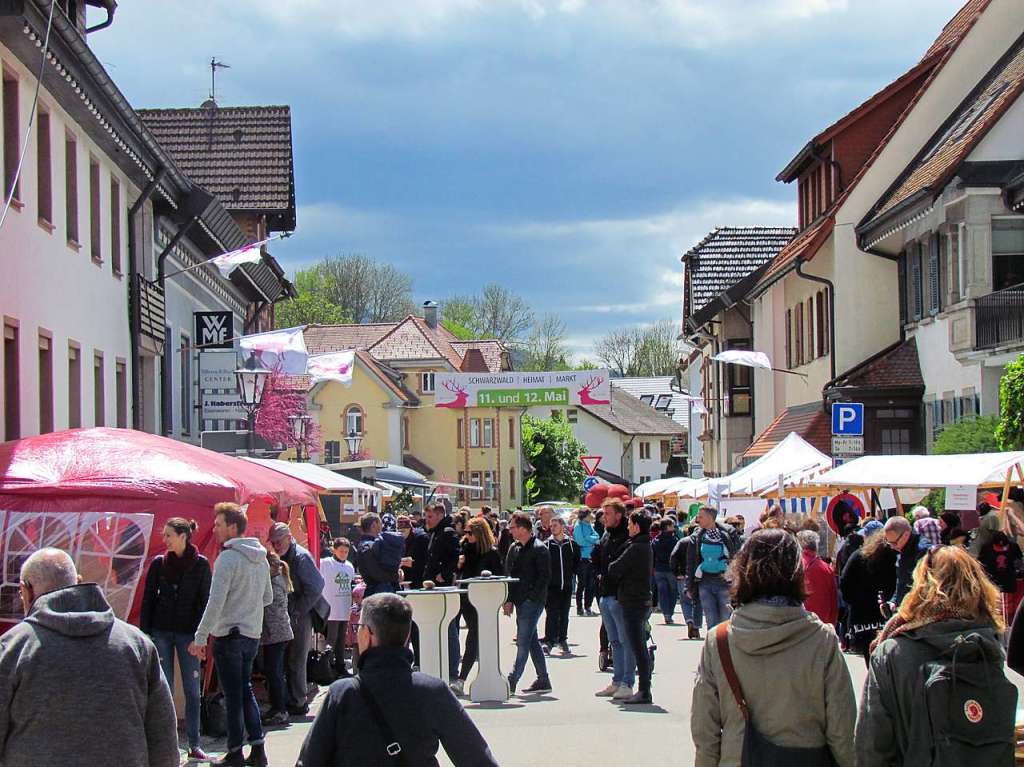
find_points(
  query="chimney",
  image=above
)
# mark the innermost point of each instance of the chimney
(430, 314)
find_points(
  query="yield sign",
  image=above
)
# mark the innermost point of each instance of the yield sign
(590, 463)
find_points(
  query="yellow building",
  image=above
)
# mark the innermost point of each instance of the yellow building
(390, 406)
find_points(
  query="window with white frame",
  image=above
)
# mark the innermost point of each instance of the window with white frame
(488, 435)
(427, 383)
(354, 420)
(1007, 252)
(645, 451)
(475, 479)
(474, 432)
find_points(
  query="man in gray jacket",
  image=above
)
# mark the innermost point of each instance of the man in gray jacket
(77, 685)
(239, 591)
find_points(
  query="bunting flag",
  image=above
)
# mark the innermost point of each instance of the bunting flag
(744, 357)
(336, 366)
(280, 350)
(228, 262)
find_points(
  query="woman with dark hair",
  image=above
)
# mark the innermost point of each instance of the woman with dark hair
(277, 633)
(631, 570)
(479, 555)
(777, 657)
(870, 571)
(173, 600)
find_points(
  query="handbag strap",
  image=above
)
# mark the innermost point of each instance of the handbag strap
(392, 746)
(725, 656)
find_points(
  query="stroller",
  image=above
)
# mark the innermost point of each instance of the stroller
(604, 654)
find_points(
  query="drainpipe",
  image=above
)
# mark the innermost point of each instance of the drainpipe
(110, 6)
(622, 458)
(831, 289)
(135, 311)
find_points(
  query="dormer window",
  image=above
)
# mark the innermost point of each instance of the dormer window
(427, 383)
(664, 400)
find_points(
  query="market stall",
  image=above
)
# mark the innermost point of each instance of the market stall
(103, 495)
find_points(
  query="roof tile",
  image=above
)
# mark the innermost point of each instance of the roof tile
(629, 415)
(809, 421)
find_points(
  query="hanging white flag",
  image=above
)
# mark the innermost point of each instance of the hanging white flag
(281, 350)
(228, 262)
(336, 366)
(698, 407)
(744, 357)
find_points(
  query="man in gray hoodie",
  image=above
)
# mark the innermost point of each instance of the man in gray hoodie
(71, 670)
(239, 591)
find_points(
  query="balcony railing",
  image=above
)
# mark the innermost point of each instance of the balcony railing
(999, 318)
(152, 309)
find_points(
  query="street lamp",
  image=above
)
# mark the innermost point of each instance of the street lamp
(354, 440)
(300, 427)
(251, 380)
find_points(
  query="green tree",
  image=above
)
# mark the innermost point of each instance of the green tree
(554, 452)
(1010, 431)
(545, 347)
(313, 304)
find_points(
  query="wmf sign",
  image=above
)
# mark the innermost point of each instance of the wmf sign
(214, 330)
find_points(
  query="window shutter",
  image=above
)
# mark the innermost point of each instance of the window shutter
(934, 287)
(789, 337)
(458, 434)
(810, 329)
(916, 282)
(819, 306)
(901, 269)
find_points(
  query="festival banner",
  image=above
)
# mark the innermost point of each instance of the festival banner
(561, 388)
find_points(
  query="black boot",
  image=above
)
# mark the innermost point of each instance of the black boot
(257, 756)
(230, 759)
(641, 697)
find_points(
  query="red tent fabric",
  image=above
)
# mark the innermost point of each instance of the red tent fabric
(104, 494)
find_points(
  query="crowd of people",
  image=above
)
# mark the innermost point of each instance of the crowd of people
(925, 603)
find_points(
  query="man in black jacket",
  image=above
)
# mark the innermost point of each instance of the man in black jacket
(689, 599)
(565, 560)
(665, 579)
(529, 562)
(415, 551)
(900, 536)
(375, 574)
(613, 541)
(632, 572)
(442, 547)
(418, 712)
(714, 546)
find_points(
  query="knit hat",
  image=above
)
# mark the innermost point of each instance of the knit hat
(871, 527)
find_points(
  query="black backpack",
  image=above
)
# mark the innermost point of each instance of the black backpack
(965, 711)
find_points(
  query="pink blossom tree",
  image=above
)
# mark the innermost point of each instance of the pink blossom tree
(281, 401)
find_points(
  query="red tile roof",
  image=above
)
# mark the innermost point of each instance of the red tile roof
(957, 26)
(938, 161)
(321, 339)
(895, 367)
(803, 246)
(809, 421)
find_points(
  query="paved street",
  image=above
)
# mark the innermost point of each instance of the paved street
(523, 731)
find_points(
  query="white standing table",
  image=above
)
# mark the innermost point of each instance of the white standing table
(432, 611)
(487, 595)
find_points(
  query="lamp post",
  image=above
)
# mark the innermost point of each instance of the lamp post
(300, 427)
(354, 440)
(251, 380)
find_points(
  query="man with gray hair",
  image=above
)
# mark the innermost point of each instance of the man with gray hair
(900, 537)
(390, 714)
(819, 580)
(71, 667)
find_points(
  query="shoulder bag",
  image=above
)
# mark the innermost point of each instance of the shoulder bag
(393, 749)
(758, 751)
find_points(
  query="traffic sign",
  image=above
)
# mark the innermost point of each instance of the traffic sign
(847, 446)
(589, 483)
(590, 463)
(848, 419)
(843, 512)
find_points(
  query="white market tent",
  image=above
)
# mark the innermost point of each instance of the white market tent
(794, 461)
(926, 471)
(318, 476)
(657, 486)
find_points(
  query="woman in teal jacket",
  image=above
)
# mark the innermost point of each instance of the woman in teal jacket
(586, 538)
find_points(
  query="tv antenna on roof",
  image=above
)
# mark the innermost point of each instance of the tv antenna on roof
(214, 66)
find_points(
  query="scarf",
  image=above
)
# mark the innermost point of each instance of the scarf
(897, 625)
(175, 567)
(714, 535)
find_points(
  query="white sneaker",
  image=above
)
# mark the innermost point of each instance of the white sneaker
(458, 687)
(607, 692)
(624, 691)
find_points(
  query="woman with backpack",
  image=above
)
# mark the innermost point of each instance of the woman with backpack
(936, 692)
(781, 661)
(277, 633)
(173, 600)
(479, 554)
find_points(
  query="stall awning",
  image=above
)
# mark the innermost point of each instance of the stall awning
(923, 471)
(792, 459)
(315, 475)
(400, 475)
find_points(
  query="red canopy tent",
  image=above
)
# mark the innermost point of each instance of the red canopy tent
(104, 494)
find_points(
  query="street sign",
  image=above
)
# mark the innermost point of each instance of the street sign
(847, 446)
(223, 407)
(843, 512)
(960, 497)
(589, 483)
(590, 463)
(214, 330)
(217, 370)
(848, 419)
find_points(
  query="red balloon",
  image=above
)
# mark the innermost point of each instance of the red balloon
(618, 491)
(593, 499)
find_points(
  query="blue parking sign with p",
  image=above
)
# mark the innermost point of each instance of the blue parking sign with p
(848, 419)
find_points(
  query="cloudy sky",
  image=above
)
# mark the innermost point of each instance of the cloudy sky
(569, 149)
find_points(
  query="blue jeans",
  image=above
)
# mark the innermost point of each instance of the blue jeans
(167, 643)
(666, 592)
(233, 656)
(586, 583)
(273, 669)
(714, 598)
(623, 662)
(692, 610)
(527, 641)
